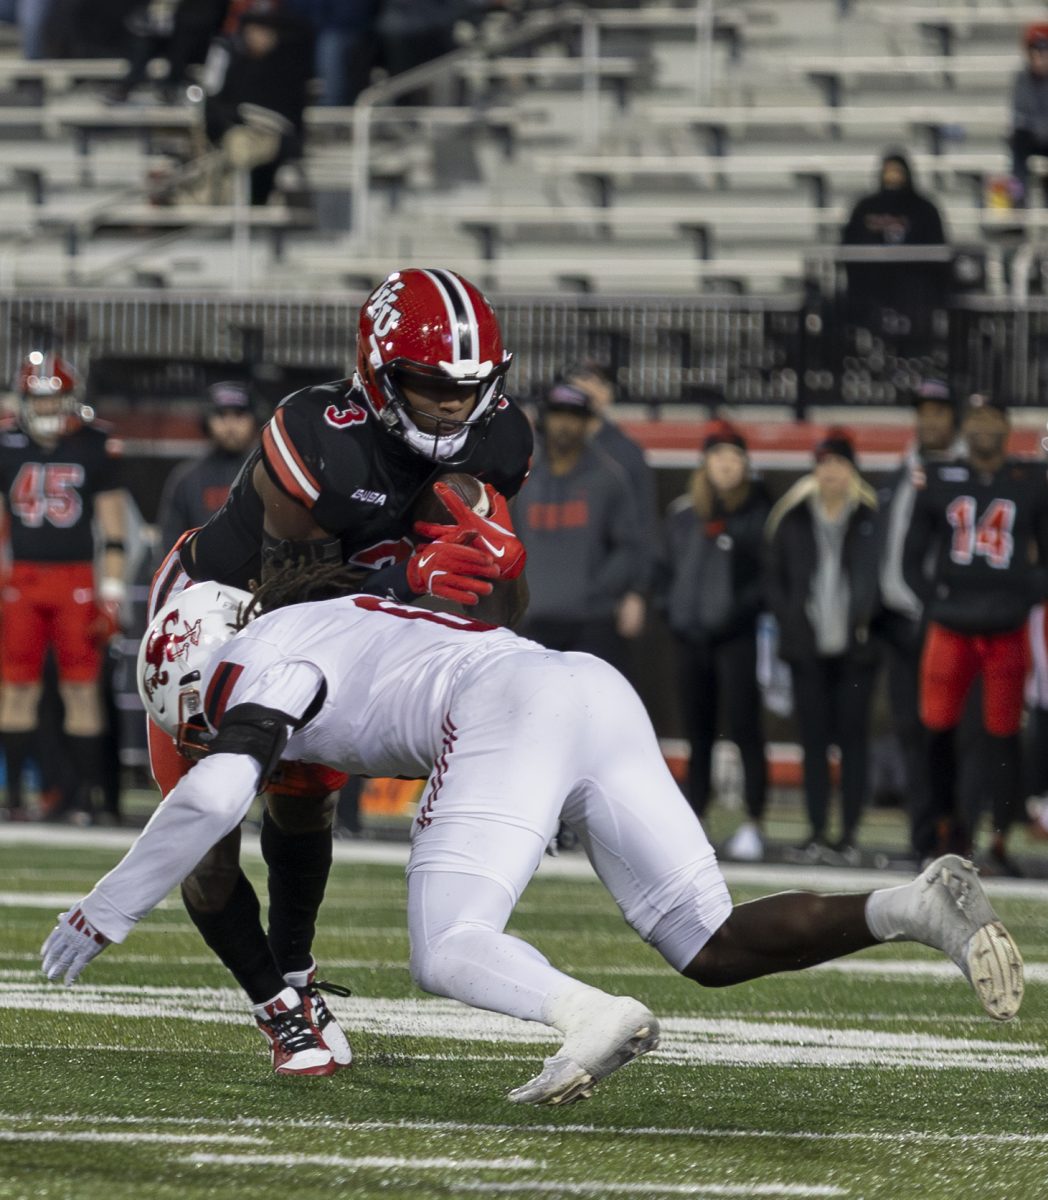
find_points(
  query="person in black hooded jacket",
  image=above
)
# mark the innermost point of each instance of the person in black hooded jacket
(896, 214)
(823, 589)
(712, 584)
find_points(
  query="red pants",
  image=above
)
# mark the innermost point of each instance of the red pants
(952, 661)
(50, 604)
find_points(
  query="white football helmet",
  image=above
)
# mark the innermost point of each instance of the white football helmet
(176, 649)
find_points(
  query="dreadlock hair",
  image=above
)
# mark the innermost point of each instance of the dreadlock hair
(295, 584)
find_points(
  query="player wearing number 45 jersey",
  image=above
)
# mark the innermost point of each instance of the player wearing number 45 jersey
(513, 739)
(982, 524)
(335, 480)
(58, 475)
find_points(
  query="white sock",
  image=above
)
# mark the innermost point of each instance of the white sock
(886, 913)
(284, 1000)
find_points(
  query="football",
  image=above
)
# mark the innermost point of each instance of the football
(431, 508)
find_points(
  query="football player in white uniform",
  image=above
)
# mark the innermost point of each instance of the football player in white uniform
(513, 738)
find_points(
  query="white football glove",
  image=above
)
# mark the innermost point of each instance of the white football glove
(70, 946)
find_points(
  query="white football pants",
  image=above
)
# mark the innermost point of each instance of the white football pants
(534, 737)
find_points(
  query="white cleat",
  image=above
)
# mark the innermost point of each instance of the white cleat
(603, 1035)
(953, 913)
(745, 844)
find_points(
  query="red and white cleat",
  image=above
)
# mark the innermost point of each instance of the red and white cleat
(310, 989)
(297, 1047)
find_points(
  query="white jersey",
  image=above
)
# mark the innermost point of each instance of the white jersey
(511, 736)
(382, 672)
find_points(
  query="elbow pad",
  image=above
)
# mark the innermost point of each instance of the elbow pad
(278, 553)
(255, 730)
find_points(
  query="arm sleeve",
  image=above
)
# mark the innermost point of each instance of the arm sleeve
(915, 548)
(208, 802)
(626, 566)
(110, 471)
(775, 589)
(291, 455)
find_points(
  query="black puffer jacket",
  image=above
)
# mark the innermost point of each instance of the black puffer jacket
(712, 579)
(792, 563)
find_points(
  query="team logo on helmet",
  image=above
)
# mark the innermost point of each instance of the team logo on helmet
(382, 308)
(165, 646)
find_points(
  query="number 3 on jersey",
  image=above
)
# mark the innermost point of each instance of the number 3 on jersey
(47, 492)
(991, 538)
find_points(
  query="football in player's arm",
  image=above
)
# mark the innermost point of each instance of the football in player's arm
(59, 479)
(326, 682)
(335, 481)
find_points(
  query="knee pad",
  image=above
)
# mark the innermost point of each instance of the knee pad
(301, 814)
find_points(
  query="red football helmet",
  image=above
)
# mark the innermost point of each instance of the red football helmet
(47, 378)
(431, 327)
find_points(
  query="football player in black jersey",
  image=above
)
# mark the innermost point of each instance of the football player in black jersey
(983, 521)
(336, 479)
(58, 476)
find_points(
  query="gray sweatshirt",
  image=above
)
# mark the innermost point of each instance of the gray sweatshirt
(830, 596)
(583, 536)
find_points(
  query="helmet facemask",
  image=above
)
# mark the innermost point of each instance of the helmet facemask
(174, 655)
(47, 381)
(440, 438)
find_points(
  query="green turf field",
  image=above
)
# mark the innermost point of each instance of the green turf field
(874, 1079)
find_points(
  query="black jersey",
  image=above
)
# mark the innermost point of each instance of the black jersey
(325, 449)
(50, 493)
(978, 544)
(195, 491)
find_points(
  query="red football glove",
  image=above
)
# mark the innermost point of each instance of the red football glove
(452, 571)
(493, 533)
(105, 624)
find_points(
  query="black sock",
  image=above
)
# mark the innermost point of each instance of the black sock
(954, 834)
(299, 865)
(86, 755)
(18, 747)
(235, 934)
(1004, 772)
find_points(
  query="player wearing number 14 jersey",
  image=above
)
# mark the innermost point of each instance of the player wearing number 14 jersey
(976, 554)
(58, 474)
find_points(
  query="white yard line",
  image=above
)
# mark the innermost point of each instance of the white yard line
(95, 1137)
(686, 1041)
(471, 1128)
(374, 1162)
(712, 1190)
(567, 866)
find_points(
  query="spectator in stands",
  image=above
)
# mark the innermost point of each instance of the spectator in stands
(1030, 104)
(896, 214)
(900, 625)
(822, 588)
(344, 32)
(578, 519)
(199, 488)
(983, 523)
(712, 580)
(414, 32)
(179, 31)
(597, 381)
(265, 64)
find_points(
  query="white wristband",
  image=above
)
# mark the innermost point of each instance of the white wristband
(112, 589)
